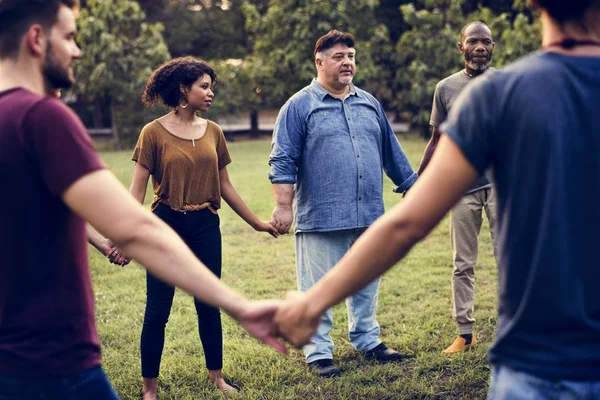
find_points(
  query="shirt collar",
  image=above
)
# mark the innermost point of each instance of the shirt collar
(321, 92)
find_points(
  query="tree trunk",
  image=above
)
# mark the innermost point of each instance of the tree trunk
(254, 132)
(114, 127)
(97, 114)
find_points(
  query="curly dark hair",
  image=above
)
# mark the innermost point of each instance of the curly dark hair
(164, 85)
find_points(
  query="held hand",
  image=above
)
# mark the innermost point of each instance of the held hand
(282, 218)
(294, 322)
(115, 255)
(257, 319)
(266, 226)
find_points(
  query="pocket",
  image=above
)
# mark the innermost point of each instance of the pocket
(326, 124)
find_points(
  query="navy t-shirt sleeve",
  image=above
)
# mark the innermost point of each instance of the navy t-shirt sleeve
(471, 123)
(60, 144)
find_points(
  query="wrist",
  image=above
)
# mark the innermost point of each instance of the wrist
(314, 304)
(255, 223)
(235, 306)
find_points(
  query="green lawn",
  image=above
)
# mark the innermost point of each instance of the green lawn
(414, 312)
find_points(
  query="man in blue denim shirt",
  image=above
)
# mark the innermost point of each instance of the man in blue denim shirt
(331, 144)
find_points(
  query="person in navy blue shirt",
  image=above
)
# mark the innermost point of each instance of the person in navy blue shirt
(536, 124)
(331, 144)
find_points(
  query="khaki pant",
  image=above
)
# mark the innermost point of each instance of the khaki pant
(465, 224)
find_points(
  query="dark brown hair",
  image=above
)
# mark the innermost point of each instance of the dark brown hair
(164, 85)
(16, 16)
(332, 38)
(564, 10)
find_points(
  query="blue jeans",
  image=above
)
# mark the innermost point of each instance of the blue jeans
(316, 254)
(508, 384)
(89, 385)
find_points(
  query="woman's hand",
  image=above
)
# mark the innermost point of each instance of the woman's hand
(266, 226)
(115, 255)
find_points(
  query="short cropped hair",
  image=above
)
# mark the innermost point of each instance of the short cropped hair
(464, 28)
(16, 16)
(332, 38)
(164, 85)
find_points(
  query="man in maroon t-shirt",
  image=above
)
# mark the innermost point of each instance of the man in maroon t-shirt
(53, 182)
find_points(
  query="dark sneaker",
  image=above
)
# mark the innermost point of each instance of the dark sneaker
(384, 354)
(325, 368)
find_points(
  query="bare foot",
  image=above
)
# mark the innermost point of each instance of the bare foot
(216, 377)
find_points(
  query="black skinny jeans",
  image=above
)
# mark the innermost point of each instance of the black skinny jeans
(200, 231)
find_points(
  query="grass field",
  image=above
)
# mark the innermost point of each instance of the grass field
(414, 312)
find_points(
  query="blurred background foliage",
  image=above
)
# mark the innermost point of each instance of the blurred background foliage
(262, 51)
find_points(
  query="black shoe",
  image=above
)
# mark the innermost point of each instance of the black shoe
(325, 368)
(384, 354)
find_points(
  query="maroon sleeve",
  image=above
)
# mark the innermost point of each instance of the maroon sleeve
(60, 144)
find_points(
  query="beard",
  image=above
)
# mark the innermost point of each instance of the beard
(56, 76)
(478, 65)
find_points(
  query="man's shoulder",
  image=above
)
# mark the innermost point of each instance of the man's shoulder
(302, 95)
(21, 99)
(366, 95)
(453, 79)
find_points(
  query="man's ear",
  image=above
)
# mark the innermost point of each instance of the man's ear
(460, 47)
(318, 63)
(36, 40)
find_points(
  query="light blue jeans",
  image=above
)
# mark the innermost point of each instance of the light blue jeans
(316, 254)
(508, 384)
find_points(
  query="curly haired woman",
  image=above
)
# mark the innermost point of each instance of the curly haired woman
(186, 155)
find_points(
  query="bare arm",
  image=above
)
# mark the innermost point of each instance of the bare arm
(235, 201)
(431, 146)
(386, 242)
(282, 216)
(139, 182)
(98, 241)
(106, 247)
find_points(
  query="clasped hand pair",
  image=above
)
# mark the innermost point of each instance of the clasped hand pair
(292, 320)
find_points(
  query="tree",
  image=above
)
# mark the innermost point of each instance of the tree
(120, 50)
(282, 38)
(427, 52)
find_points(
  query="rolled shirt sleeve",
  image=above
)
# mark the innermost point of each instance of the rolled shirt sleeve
(286, 146)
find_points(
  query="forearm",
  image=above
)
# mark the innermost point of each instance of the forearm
(283, 194)
(426, 156)
(237, 204)
(429, 150)
(96, 239)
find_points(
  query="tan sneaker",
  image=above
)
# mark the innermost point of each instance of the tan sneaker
(460, 344)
